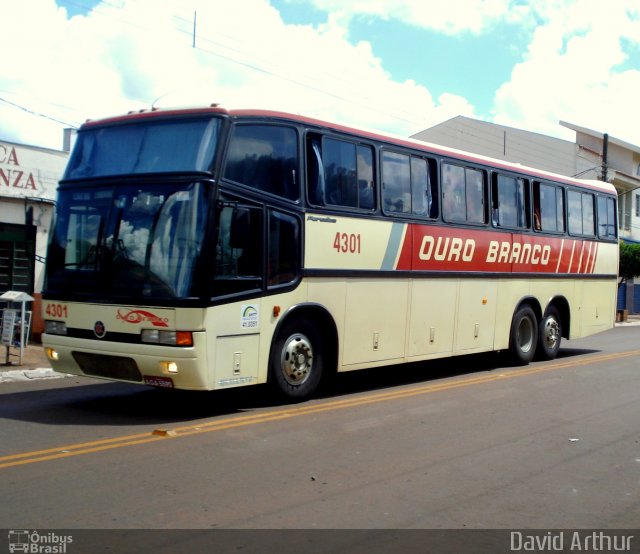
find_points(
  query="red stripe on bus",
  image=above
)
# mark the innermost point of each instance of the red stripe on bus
(567, 256)
(435, 248)
(593, 258)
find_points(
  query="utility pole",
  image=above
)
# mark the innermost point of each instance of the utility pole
(605, 156)
(195, 18)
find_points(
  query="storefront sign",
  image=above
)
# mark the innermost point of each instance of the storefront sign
(29, 172)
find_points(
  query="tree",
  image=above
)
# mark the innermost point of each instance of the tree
(629, 261)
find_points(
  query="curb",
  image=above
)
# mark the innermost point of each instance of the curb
(37, 374)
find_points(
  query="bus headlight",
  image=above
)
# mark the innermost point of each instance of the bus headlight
(168, 338)
(52, 354)
(169, 367)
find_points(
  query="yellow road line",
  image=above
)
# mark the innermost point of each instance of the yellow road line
(288, 412)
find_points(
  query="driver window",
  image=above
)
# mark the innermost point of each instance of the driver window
(238, 255)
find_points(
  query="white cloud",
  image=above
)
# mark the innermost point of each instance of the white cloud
(572, 71)
(130, 54)
(446, 16)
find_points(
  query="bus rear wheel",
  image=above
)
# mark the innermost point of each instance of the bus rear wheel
(296, 360)
(524, 335)
(549, 335)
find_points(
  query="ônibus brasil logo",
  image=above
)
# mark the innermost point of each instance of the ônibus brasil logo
(38, 543)
(141, 316)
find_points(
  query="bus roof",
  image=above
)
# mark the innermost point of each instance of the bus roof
(215, 109)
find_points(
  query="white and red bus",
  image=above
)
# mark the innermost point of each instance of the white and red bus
(211, 248)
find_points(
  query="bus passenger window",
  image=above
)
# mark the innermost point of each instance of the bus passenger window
(453, 193)
(606, 218)
(421, 193)
(561, 223)
(264, 157)
(475, 196)
(315, 172)
(581, 213)
(340, 172)
(548, 208)
(510, 201)
(396, 183)
(575, 213)
(366, 189)
(588, 218)
(463, 194)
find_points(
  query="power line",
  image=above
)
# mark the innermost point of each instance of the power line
(255, 66)
(233, 56)
(38, 114)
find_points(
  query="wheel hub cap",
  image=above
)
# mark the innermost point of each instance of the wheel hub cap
(297, 360)
(551, 332)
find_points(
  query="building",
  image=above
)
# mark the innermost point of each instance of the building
(593, 155)
(620, 165)
(29, 176)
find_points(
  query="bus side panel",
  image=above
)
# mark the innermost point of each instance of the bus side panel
(476, 316)
(375, 320)
(596, 310)
(433, 311)
(233, 333)
(596, 299)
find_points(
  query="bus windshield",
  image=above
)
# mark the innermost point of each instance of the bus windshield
(144, 147)
(127, 240)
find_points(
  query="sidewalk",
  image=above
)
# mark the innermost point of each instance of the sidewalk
(33, 358)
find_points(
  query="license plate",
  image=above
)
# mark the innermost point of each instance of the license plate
(164, 382)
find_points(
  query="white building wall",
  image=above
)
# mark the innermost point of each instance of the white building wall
(28, 179)
(513, 145)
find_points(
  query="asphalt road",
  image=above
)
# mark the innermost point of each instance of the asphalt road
(463, 443)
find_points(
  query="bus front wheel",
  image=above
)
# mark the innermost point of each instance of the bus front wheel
(524, 335)
(296, 360)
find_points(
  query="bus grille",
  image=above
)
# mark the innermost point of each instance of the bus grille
(111, 367)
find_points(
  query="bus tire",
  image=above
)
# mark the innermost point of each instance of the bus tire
(523, 338)
(549, 335)
(297, 360)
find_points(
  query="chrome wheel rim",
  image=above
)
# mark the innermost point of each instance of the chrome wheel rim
(296, 361)
(551, 333)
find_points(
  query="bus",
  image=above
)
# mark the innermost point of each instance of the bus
(209, 248)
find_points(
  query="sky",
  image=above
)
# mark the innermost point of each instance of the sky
(398, 66)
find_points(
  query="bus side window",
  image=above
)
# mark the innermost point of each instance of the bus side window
(421, 194)
(315, 172)
(510, 202)
(475, 193)
(340, 172)
(588, 215)
(366, 183)
(283, 255)
(463, 194)
(396, 183)
(453, 193)
(238, 254)
(606, 218)
(581, 213)
(264, 157)
(548, 208)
